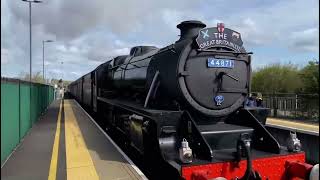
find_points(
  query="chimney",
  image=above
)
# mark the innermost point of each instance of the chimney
(190, 29)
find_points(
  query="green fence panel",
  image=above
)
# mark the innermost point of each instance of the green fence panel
(45, 102)
(9, 118)
(36, 102)
(50, 94)
(25, 122)
(46, 95)
(33, 104)
(37, 105)
(40, 99)
(43, 99)
(17, 107)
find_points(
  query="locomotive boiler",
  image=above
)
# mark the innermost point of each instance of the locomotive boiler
(182, 108)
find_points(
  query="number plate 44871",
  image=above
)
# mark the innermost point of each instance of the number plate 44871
(220, 63)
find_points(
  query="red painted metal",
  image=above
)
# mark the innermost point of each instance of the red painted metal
(298, 170)
(271, 168)
(199, 175)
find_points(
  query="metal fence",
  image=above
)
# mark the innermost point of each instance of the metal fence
(293, 106)
(17, 117)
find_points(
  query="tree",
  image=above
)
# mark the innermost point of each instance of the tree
(276, 78)
(35, 78)
(310, 78)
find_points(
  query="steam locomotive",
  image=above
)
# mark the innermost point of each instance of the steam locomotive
(182, 108)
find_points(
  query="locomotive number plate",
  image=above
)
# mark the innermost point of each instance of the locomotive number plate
(220, 63)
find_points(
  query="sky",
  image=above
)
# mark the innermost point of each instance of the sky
(88, 33)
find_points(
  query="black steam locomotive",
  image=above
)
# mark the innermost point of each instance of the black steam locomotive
(182, 107)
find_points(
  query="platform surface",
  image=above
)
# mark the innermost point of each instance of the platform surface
(294, 125)
(67, 144)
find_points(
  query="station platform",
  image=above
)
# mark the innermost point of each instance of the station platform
(67, 144)
(302, 127)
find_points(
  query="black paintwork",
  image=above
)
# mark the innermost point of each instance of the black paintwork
(156, 97)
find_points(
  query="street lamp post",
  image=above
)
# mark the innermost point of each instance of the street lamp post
(30, 78)
(43, 56)
(30, 32)
(61, 70)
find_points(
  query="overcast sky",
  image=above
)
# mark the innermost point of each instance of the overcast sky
(89, 32)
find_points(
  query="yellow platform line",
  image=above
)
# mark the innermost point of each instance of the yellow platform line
(79, 162)
(292, 124)
(55, 150)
